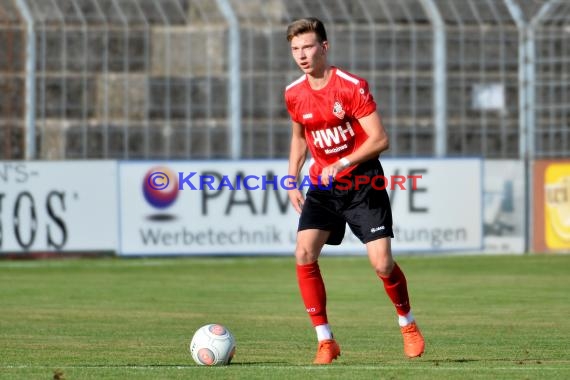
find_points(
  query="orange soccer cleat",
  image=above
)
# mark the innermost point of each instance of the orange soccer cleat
(414, 343)
(328, 351)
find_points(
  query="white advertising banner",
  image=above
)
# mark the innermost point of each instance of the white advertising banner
(444, 211)
(208, 214)
(58, 206)
(504, 207)
(242, 207)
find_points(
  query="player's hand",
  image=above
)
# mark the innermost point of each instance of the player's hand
(329, 173)
(297, 199)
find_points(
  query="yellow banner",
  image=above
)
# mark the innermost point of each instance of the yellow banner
(557, 206)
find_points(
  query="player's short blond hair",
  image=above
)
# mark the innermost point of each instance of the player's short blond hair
(307, 25)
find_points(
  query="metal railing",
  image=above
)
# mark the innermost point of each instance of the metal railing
(161, 79)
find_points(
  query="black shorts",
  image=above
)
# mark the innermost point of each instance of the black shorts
(365, 208)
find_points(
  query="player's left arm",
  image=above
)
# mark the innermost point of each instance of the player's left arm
(376, 143)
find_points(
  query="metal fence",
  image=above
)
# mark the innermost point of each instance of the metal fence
(177, 79)
(549, 126)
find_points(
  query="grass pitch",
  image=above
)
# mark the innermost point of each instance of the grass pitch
(482, 317)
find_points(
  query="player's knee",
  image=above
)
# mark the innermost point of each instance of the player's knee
(305, 256)
(383, 268)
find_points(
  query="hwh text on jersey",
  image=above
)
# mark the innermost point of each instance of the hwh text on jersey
(332, 136)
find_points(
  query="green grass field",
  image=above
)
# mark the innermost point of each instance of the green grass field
(482, 317)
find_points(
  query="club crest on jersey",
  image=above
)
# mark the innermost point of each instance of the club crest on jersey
(338, 111)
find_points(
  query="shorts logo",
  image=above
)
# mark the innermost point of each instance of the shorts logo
(376, 229)
(307, 116)
(338, 111)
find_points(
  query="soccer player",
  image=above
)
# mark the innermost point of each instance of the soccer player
(334, 117)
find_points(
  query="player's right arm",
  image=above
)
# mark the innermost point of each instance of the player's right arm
(297, 156)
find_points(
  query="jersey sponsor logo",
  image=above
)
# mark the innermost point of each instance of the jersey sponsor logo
(338, 111)
(337, 149)
(326, 138)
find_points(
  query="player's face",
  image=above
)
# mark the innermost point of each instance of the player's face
(309, 53)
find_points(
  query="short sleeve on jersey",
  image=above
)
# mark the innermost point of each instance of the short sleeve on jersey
(291, 108)
(363, 101)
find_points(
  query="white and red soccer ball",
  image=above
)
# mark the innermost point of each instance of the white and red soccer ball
(213, 344)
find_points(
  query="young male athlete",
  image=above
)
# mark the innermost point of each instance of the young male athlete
(334, 116)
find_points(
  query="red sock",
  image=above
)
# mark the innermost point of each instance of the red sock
(313, 292)
(397, 290)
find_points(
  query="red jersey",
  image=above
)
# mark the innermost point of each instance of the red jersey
(330, 116)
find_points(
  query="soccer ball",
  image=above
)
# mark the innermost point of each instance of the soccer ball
(213, 344)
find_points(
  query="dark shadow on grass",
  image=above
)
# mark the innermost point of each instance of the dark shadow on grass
(465, 360)
(184, 365)
(134, 365)
(248, 364)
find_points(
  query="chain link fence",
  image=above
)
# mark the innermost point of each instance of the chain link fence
(181, 79)
(551, 134)
(12, 41)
